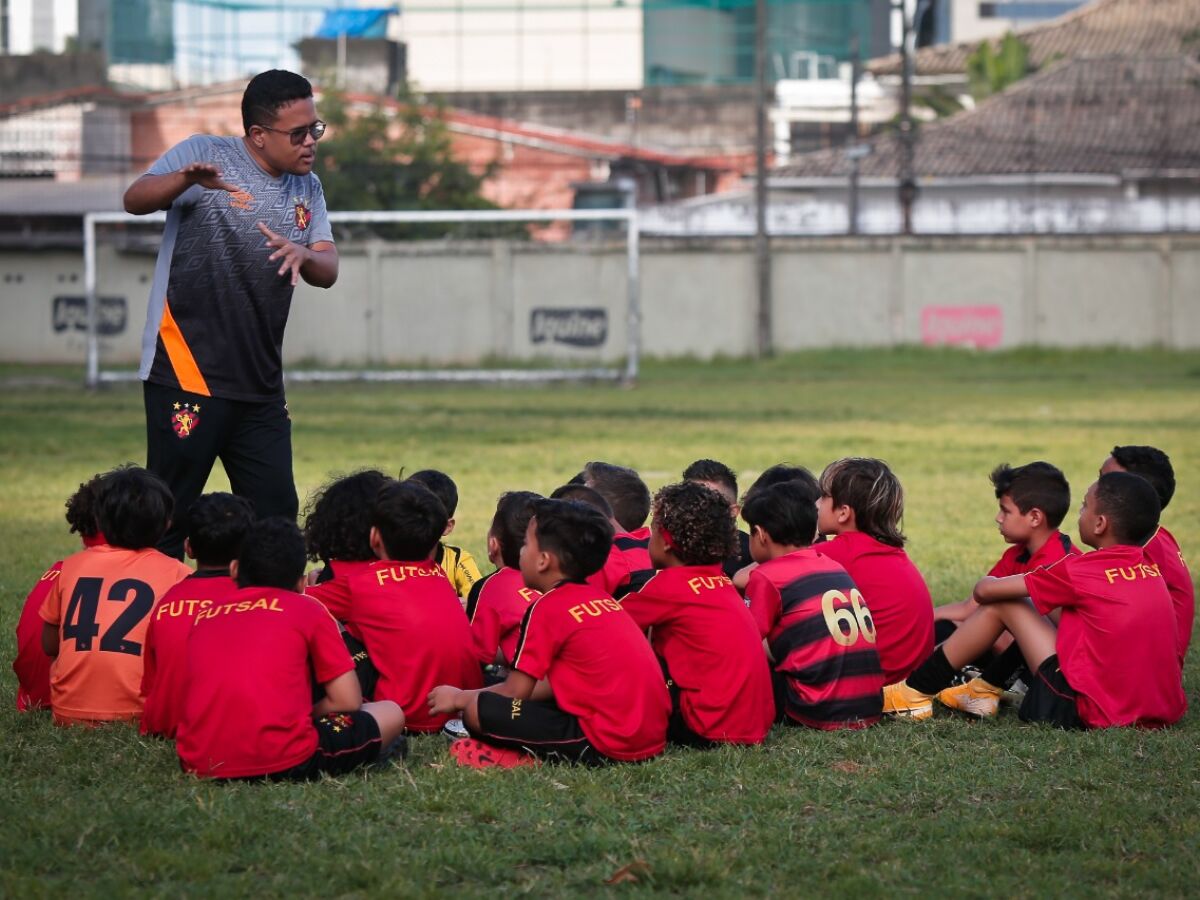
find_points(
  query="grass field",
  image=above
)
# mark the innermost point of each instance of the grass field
(963, 808)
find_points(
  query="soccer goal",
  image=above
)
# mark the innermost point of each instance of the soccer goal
(548, 291)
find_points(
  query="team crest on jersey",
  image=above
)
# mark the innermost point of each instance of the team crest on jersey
(185, 418)
(303, 214)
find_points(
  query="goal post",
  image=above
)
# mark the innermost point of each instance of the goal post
(626, 374)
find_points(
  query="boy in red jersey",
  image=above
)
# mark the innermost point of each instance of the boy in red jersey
(719, 477)
(1162, 549)
(629, 498)
(1111, 661)
(819, 632)
(1033, 500)
(217, 523)
(860, 509)
(458, 564)
(402, 606)
(251, 660)
(497, 603)
(585, 685)
(710, 649)
(32, 665)
(614, 577)
(96, 611)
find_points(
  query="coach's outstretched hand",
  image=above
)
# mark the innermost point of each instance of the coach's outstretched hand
(293, 255)
(208, 176)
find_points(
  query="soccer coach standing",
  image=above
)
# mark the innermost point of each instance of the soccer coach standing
(246, 220)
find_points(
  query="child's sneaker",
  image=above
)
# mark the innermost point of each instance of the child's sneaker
(902, 701)
(396, 751)
(455, 730)
(478, 755)
(1015, 693)
(975, 698)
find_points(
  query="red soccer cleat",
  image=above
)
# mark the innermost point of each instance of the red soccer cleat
(478, 755)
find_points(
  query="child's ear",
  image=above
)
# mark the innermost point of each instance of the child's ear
(187, 548)
(493, 550)
(844, 514)
(449, 526)
(298, 587)
(1037, 518)
(1100, 525)
(233, 569)
(376, 542)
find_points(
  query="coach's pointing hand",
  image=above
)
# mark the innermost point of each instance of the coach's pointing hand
(207, 176)
(293, 255)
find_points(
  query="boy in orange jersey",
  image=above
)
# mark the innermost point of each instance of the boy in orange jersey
(710, 649)
(98, 608)
(1162, 549)
(820, 634)
(585, 685)
(248, 711)
(217, 523)
(403, 608)
(1110, 662)
(1033, 500)
(32, 665)
(497, 603)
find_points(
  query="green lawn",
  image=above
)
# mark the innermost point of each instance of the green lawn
(950, 805)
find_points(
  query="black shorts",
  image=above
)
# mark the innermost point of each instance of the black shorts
(678, 730)
(345, 741)
(1050, 699)
(535, 726)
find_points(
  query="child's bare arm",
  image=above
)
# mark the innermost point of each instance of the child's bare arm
(50, 639)
(955, 612)
(342, 694)
(997, 590)
(446, 699)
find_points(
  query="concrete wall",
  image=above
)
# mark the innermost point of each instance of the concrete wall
(429, 303)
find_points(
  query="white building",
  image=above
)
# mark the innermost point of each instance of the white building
(27, 26)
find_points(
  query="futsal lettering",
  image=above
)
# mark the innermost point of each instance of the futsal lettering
(403, 573)
(226, 609)
(596, 607)
(1132, 573)
(708, 583)
(176, 608)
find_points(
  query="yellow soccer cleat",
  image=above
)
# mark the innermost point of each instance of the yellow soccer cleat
(975, 698)
(904, 702)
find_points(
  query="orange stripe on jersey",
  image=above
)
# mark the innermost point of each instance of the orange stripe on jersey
(180, 355)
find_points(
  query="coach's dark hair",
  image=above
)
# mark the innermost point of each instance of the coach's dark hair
(272, 555)
(581, 493)
(217, 523)
(337, 517)
(267, 92)
(513, 512)
(1153, 465)
(786, 511)
(578, 534)
(442, 485)
(873, 491)
(83, 507)
(713, 472)
(1131, 505)
(781, 473)
(624, 490)
(1035, 485)
(410, 519)
(697, 519)
(135, 508)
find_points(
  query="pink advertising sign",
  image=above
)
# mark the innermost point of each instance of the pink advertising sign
(974, 326)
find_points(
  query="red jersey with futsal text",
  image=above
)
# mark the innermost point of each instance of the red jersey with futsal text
(409, 616)
(101, 604)
(896, 594)
(1116, 638)
(1017, 560)
(822, 637)
(32, 665)
(713, 652)
(251, 661)
(164, 677)
(613, 574)
(495, 608)
(1164, 552)
(600, 667)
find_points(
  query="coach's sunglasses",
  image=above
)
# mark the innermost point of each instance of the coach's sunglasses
(316, 130)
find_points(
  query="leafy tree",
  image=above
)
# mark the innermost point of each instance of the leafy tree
(398, 158)
(990, 70)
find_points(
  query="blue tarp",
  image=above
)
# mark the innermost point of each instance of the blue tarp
(357, 23)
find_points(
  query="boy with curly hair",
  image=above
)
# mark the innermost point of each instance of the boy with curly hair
(709, 648)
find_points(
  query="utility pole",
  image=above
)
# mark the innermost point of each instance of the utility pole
(908, 183)
(762, 246)
(853, 150)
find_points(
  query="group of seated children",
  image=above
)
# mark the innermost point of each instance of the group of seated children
(596, 638)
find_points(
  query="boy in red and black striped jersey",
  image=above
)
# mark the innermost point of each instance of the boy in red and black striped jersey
(217, 523)
(1110, 661)
(1162, 549)
(629, 499)
(585, 685)
(248, 711)
(497, 603)
(819, 632)
(710, 649)
(1033, 500)
(403, 608)
(32, 665)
